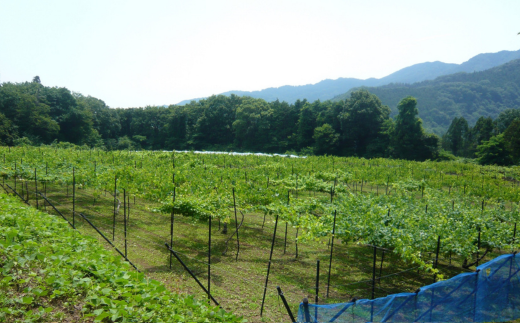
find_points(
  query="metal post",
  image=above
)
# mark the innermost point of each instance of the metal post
(209, 261)
(475, 299)
(437, 257)
(45, 192)
(36, 188)
(191, 273)
(296, 241)
(172, 219)
(114, 217)
(269, 266)
(331, 249)
(285, 303)
(514, 236)
(306, 313)
(478, 246)
(374, 273)
(317, 280)
(124, 215)
(73, 198)
(236, 223)
(285, 240)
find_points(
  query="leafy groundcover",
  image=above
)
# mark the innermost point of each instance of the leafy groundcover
(51, 273)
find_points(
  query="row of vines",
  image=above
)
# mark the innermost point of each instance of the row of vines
(401, 205)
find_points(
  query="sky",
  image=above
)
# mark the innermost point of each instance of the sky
(160, 52)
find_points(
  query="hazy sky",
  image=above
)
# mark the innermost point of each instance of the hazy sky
(138, 53)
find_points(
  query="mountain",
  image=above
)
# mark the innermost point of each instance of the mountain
(470, 95)
(327, 89)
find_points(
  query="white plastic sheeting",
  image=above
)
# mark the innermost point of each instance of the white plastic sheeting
(234, 153)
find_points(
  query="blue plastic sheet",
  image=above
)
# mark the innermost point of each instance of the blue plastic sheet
(491, 294)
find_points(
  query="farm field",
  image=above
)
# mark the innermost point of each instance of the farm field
(403, 210)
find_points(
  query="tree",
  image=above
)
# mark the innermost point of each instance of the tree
(306, 125)
(105, 120)
(326, 140)
(36, 79)
(494, 152)
(482, 131)
(409, 140)
(7, 131)
(455, 139)
(512, 140)
(252, 124)
(362, 121)
(285, 125)
(214, 124)
(505, 118)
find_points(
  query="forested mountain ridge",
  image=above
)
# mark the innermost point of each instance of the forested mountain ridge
(328, 89)
(468, 95)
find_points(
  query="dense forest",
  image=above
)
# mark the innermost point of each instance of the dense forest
(468, 95)
(360, 125)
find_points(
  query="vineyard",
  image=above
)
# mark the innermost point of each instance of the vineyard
(327, 228)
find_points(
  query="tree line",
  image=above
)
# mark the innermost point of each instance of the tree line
(360, 125)
(490, 141)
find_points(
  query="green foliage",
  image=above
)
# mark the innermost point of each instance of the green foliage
(505, 118)
(468, 95)
(285, 186)
(362, 119)
(306, 125)
(326, 140)
(7, 131)
(49, 271)
(409, 139)
(494, 152)
(24, 141)
(252, 124)
(200, 208)
(512, 140)
(454, 139)
(445, 156)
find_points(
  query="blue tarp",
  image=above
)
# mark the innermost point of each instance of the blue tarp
(492, 293)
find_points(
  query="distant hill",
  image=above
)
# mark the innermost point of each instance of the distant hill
(470, 95)
(327, 89)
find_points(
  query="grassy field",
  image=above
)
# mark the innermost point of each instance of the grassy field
(238, 284)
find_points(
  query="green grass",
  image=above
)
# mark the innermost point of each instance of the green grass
(238, 285)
